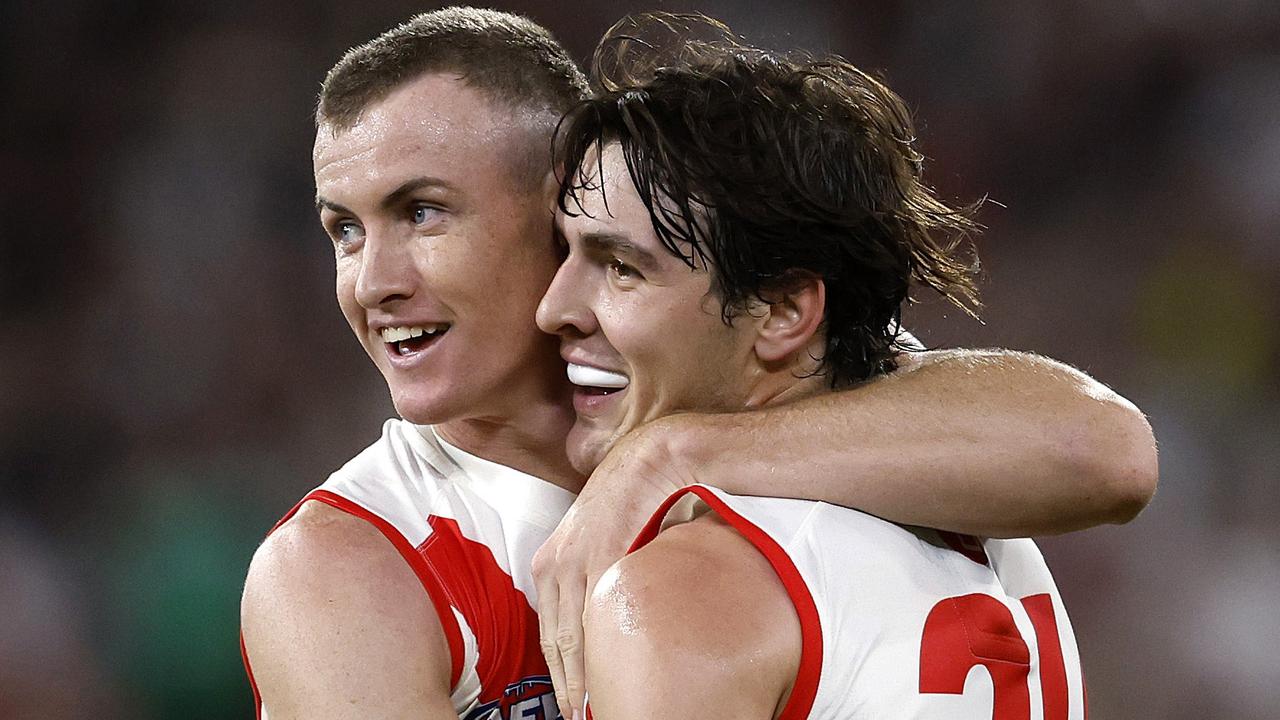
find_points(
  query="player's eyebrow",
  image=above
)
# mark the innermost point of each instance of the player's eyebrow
(622, 245)
(393, 198)
(325, 204)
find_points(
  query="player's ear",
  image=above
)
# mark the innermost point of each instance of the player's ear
(793, 312)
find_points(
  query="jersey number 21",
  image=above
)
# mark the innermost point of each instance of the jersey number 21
(961, 632)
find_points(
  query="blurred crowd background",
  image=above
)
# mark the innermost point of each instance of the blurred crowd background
(174, 372)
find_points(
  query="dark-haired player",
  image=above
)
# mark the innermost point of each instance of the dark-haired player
(402, 587)
(742, 228)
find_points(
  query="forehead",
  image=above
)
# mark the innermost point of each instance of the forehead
(605, 201)
(433, 125)
(606, 195)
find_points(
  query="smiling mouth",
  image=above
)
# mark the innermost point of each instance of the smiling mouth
(407, 340)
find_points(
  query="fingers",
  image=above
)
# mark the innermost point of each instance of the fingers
(548, 626)
(569, 639)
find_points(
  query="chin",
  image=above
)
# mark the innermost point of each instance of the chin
(424, 410)
(583, 461)
(585, 449)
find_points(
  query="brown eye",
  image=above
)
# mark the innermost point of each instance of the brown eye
(622, 270)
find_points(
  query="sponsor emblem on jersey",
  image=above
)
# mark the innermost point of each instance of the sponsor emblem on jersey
(530, 699)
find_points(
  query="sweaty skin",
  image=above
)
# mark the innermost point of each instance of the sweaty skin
(427, 219)
(991, 442)
(731, 624)
(409, 252)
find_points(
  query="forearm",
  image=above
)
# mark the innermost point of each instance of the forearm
(991, 443)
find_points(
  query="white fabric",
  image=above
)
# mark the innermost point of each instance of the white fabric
(410, 474)
(874, 584)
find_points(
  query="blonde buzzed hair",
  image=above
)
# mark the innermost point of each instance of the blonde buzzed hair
(511, 60)
(507, 57)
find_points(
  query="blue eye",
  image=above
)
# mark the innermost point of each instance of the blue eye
(347, 234)
(423, 213)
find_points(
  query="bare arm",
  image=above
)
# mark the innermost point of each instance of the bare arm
(694, 625)
(337, 627)
(984, 442)
(991, 443)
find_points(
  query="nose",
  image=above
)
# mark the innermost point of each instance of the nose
(387, 270)
(564, 309)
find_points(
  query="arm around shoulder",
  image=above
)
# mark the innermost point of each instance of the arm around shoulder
(1074, 438)
(694, 624)
(1117, 447)
(336, 626)
(995, 443)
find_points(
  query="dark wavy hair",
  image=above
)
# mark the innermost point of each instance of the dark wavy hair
(768, 167)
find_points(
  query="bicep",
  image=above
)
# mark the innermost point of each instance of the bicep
(337, 633)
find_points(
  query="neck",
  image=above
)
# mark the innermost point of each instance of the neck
(775, 384)
(787, 390)
(528, 433)
(540, 453)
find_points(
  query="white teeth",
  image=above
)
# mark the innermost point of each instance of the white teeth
(588, 376)
(405, 332)
(396, 334)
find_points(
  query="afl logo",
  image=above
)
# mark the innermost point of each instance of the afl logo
(530, 699)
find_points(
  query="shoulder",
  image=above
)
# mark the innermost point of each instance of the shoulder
(699, 601)
(324, 550)
(699, 557)
(331, 611)
(399, 481)
(725, 581)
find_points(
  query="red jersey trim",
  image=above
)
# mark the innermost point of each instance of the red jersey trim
(805, 688)
(253, 684)
(967, 545)
(430, 582)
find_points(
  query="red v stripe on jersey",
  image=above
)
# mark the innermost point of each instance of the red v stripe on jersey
(504, 623)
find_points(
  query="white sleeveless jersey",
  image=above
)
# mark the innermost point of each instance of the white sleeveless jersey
(901, 622)
(468, 528)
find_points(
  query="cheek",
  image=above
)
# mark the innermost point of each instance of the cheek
(345, 293)
(345, 286)
(529, 277)
(702, 360)
(344, 278)
(515, 288)
(535, 251)
(520, 263)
